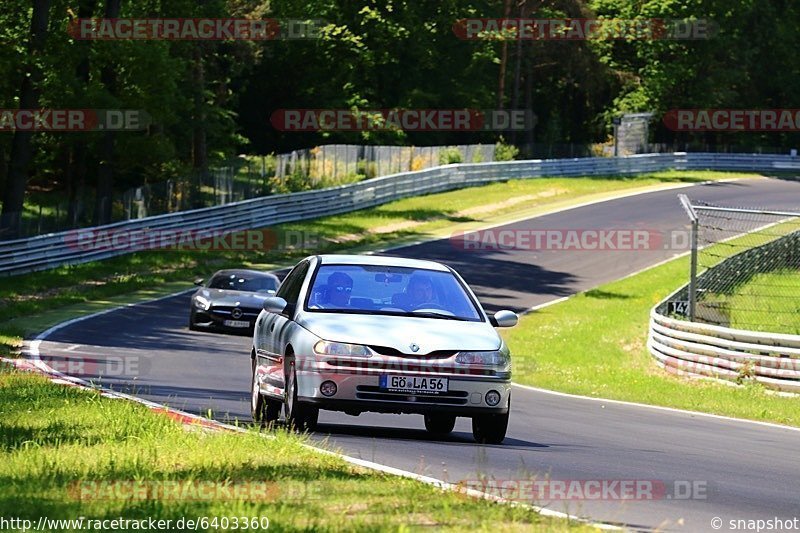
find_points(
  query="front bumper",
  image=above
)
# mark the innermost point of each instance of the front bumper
(358, 389)
(216, 320)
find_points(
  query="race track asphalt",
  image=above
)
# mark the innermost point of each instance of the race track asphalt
(739, 470)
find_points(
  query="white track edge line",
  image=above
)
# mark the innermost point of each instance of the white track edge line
(62, 379)
(38, 339)
(622, 195)
(444, 485)
(657, 407)
(636, 404)
(34, 351)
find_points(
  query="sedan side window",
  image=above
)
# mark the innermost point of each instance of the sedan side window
(293, 284)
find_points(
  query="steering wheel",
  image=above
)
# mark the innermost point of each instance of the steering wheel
(430, 305)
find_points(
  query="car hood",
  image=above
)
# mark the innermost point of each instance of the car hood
(399, 332)
(251, 300)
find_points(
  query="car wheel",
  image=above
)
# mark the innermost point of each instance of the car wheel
(264, 410)
(299, 416)
(490, 429)
(440, 424)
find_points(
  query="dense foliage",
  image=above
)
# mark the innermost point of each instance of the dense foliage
(209, 100)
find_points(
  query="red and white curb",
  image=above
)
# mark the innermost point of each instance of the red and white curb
(186, 419)
(193, 422)
(33, 363)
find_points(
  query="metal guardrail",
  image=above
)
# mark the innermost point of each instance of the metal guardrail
(696, 349)
(54, 250)
(693, 348)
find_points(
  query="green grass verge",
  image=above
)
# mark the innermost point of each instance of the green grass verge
(33, 302)
(440, 213)
(594, 344)
(767, 302)
(67, 453)
(399, 222)
(52, 438)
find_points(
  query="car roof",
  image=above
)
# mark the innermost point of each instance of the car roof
(244, 272)
(380, 260)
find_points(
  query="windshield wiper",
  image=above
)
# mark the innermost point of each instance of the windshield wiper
(434, 314)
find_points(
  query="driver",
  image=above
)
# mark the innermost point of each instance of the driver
(340, 285)
(420, 289)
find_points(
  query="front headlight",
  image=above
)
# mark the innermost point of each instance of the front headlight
(202, 303)
(493, 358)
(341, 348)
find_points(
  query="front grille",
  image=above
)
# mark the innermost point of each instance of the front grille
(403, 366)
(226, 311)
(370, 392)
(437, 354)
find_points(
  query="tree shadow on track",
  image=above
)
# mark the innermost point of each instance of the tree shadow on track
(501, 279)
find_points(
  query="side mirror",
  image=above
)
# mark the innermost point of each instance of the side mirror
(274, 304)
(504, 319)
(199, 282)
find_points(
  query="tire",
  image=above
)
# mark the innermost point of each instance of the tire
(440, 425)
(300, 416)
(265, 411)
(491, 429)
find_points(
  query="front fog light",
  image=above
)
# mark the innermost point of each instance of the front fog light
(492, 398)
(328, 388)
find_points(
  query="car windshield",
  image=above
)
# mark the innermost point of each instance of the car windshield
(391, 291)
(247, 283)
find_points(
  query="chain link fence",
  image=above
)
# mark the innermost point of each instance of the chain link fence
(248, 177)
(346, 161)
(745, 269)
(222, 185)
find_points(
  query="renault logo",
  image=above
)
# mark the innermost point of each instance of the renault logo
(236, 313)
(414, 347)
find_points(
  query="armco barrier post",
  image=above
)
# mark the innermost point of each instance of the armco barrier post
(687, 205)
(693, 274)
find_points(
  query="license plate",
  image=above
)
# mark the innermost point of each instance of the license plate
(413, 384)
(236, 323)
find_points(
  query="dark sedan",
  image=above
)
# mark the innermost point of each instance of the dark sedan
(231, 300)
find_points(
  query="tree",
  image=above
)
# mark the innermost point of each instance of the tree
(21, 150)
(105, 171)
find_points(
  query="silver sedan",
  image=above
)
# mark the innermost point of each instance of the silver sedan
(231, 300)
(382, 334)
